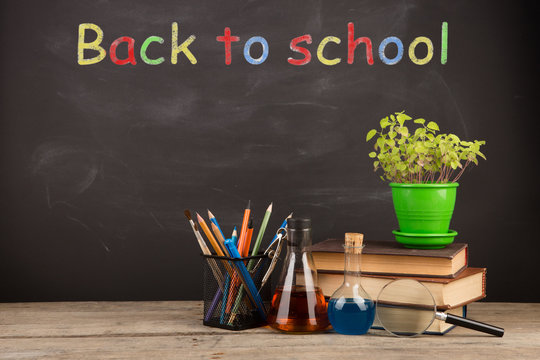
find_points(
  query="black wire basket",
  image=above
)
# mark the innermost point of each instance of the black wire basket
(227, 303)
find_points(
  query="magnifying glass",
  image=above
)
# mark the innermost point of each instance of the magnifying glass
(406, 307)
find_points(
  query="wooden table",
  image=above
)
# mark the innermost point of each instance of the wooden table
(174, 330)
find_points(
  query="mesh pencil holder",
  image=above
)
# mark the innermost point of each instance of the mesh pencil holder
(228, 304)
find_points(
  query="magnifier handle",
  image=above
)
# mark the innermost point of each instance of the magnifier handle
(474, 325)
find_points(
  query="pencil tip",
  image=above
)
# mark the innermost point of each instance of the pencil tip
(188, 214)
(210, 215)
(199, 217)
(249, 204)
(269, 207)
(290, 216)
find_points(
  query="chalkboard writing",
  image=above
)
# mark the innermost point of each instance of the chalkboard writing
(227, 39)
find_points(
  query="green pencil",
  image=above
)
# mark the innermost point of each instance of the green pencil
(260, 234)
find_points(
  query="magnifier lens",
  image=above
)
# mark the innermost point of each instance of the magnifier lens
(405, 307)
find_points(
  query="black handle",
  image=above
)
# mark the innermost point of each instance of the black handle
(474, 325)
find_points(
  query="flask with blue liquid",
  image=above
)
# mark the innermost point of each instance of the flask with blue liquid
(351, 310)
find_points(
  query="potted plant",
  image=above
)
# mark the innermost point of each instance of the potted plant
(423, 168)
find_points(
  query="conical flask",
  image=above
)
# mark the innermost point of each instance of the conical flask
(298, 304)
(351, 310)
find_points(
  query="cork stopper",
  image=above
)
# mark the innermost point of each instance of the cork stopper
(354, 240)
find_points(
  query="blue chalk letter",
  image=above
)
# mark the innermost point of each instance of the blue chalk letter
(247, 46)
(382, 47)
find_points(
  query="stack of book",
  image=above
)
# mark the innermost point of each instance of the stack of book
(444, 272)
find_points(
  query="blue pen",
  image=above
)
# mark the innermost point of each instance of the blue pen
(283, 226)
(246, 278)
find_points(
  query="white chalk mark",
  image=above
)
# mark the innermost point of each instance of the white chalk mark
(461, 119)
(157, 221)
(87, 228)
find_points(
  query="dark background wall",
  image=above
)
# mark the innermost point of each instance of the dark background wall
(99, 162)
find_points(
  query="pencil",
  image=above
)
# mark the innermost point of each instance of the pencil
(260, 235)
(249, 235)
(243, 230)
(220, 238)
(214, 220)
(213, 242)
(234, 237)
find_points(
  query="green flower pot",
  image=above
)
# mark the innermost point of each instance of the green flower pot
(424, 209)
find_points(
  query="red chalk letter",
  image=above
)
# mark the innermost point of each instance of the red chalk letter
(353, 43)
(227, 39)
(304, 51)
(131, 51)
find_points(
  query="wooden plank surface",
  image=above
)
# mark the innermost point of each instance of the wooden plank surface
(174, 330)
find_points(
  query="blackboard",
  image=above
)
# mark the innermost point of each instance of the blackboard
(99, 161)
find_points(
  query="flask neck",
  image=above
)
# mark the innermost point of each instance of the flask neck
(353, 258)
(298, 240)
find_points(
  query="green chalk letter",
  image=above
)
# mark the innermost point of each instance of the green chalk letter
(144, 47)
(444, 43)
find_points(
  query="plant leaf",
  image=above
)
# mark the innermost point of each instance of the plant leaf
(402, 117)
(372, 154)
(384, 122)
(419, 121)
(371, 133)
(433, 126)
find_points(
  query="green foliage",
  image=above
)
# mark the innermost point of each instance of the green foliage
(422, 156)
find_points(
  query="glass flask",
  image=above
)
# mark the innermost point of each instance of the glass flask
(298, 304)
(351, 310)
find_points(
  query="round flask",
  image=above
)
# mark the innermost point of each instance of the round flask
(351, 310)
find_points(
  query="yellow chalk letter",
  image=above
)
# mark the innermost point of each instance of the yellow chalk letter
(412, 47)
(175, 49)
(94, 45)
(320, 50)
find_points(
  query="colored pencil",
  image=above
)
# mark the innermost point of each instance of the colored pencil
(243, 230)
(219, 236)
(214, 220)
(215, 302)
(213, 241)
(234, 237)
(249, 235)
(260, 235)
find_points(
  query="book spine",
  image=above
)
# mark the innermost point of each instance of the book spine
(484, 281)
